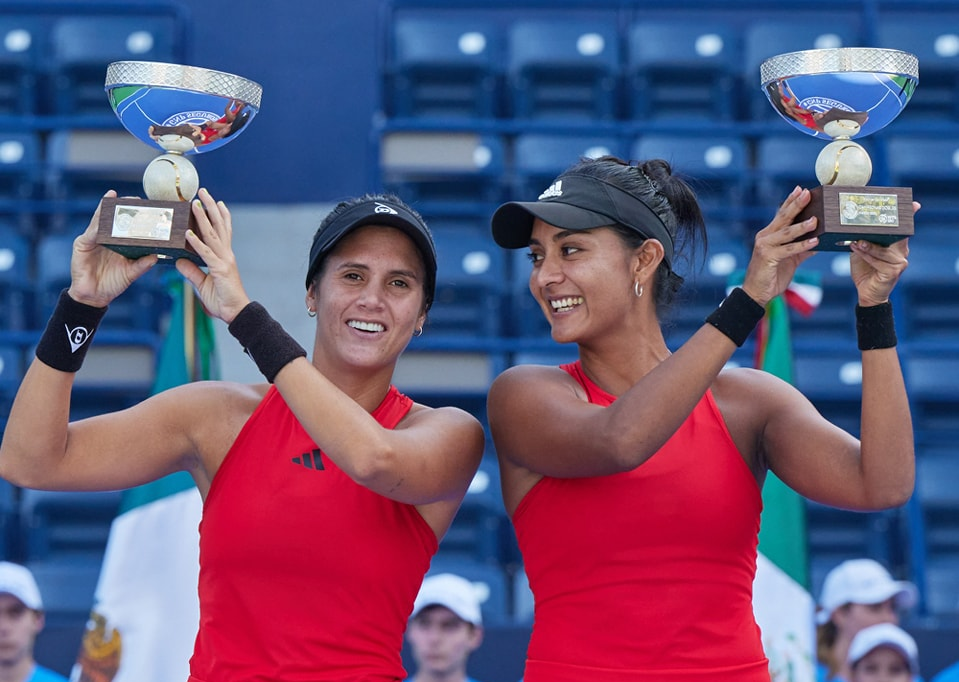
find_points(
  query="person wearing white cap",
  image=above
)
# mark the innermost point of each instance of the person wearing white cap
(21, 620)
(856, 594)
(882, 653)
(446, 626)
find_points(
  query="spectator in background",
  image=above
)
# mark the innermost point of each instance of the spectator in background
(882, 653)
(21, 620)
(445, 628)
(856, 594)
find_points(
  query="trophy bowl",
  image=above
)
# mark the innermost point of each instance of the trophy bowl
(841, 94)
(181, 111)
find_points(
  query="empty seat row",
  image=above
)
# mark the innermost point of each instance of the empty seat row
(55, 64)
(607, 64)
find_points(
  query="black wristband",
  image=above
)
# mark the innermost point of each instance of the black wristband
(737, 316)
(875, 327)
(66, 339)
(264, 340)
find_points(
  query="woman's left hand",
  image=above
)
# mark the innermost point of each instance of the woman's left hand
(220, 288)
(876, 268)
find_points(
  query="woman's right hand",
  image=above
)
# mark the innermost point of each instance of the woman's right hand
(776, 253)
(98, 274)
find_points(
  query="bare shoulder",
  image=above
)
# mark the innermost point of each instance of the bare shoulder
(526, 379)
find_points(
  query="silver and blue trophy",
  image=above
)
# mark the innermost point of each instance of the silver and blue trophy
(181, 111)
(841, 95)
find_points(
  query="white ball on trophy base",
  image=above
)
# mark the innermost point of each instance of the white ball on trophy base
(171, 177)
(843, 162)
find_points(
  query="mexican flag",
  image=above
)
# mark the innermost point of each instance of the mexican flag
(782, 603)
(146, 611)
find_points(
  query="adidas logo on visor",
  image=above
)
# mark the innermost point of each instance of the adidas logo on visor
(383, 208)
(554, 190)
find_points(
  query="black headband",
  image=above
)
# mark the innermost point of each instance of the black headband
(579, 202)
(376, 212)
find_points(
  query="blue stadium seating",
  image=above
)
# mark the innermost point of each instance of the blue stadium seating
(930, 287)
(66, 525)
(715, 165)
(83, 46)
(444, 67)
(929, 164)
(480, 530)
(22, 40)
(677, 68)
(832, 380)
(82, 164)
(937, 470)
(931, 382)
(831, 323)
(539, 157)
(932, 38)
(444, 171)
(19, 167)
(564, 69)
(15, 279)
(469, 283)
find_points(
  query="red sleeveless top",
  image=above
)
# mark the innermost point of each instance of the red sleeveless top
(647, 574)
(304, 574)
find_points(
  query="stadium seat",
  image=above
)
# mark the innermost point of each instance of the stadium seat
(929, 164)
(564, 68)
(715, 165)
(83, 46)
(933, 394)
(832, 380)
(831, 322)
(443, 67)
(489, 579)
(933, 39)
(19, 168)
(937, 470)
(469, 284)
(930, 288)
(539, 157)
(22, 40)
(768, 37)
(83, 164)
(443, 171)
(15, 279)
(681, 69)
(480, 529)
(65, 525)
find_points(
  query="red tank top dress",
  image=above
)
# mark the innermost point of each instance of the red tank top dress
(304, 574)
(647, 574)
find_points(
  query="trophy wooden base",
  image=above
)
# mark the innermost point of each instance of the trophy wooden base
(882, 215)
(139, 227)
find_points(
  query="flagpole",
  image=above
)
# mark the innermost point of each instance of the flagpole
(189, 332)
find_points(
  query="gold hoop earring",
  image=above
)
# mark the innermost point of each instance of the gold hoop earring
(637, 289)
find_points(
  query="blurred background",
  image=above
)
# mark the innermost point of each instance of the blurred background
(458, 106)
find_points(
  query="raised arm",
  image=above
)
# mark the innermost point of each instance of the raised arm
(879, 470)
(431, 456)
(40, 448)
(540, 423)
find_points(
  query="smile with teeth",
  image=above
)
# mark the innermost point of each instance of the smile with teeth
(366, 326)
(562, 305)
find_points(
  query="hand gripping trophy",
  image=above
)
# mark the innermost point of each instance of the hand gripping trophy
(840, 94)
(181, 110)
